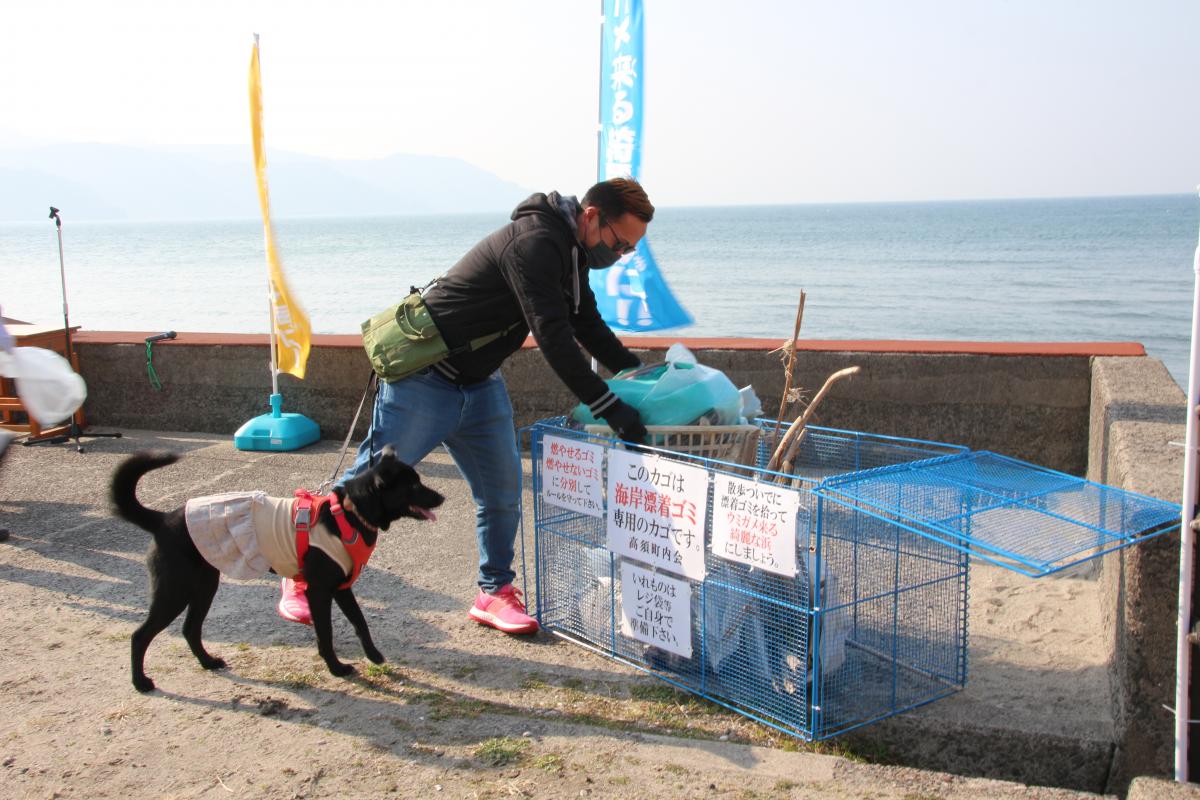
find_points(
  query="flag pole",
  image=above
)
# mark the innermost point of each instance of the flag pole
(1187, 547)
(599, 124)
(600, 99)
(289, 326)
(274, 333)
(275, 407)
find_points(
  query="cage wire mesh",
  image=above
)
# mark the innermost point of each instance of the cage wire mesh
(874, 621)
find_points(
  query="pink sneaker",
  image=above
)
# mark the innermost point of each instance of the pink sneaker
(504, 611)
(294, 603)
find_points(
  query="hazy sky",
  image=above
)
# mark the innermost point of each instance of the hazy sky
(746, 102)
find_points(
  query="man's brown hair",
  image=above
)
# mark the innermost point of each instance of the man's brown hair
(617, 196)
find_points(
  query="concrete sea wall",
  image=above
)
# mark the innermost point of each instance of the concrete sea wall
(1028, 401)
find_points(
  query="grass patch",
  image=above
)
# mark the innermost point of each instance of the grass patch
(862, 751)
(675, 769)
(535, 682)
(784, 785)
(655, 707)
(501, 750)
(449, 709)
(550, 762)
(293, 679)
(379, 670)
(445, 706)
(427, 697)
(657, 693)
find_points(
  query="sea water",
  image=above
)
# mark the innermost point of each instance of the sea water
(1091, 269)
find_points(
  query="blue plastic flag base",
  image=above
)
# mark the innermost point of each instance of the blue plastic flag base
(277, 431)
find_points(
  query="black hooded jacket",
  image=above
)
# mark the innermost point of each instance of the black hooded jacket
(530, 275)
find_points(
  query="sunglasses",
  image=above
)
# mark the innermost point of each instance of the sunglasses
(620, 247)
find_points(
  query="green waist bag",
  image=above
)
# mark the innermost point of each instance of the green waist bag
(403, 340)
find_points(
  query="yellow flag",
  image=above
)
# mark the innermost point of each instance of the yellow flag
(292, 332)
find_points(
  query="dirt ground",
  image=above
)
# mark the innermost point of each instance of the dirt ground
(458, 711)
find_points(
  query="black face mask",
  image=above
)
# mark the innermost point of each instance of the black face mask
(601, 256)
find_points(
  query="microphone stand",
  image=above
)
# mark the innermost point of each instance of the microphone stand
(73, 430)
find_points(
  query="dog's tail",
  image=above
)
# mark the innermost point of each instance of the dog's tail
(124, 488)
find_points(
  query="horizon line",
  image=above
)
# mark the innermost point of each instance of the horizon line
(698, 207)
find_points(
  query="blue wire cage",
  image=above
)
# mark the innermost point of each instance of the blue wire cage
(874, 620)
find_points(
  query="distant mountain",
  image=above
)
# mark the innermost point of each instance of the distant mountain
(107, 182)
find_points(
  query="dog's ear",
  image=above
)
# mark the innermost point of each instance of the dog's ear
(387, 468)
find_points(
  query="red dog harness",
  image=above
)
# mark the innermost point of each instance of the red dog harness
(304, 516)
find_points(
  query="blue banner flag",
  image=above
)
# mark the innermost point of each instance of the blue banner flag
(631, 295)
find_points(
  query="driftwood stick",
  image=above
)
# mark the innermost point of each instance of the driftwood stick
(791, 371)
(787, 449)
(773, 463)
(794, 448)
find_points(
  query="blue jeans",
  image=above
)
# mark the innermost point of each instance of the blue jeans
(475, 423)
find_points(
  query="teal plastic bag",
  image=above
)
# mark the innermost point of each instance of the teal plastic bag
(678, 392)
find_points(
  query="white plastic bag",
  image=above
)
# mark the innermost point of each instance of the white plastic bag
(49, 389)
(751, 405)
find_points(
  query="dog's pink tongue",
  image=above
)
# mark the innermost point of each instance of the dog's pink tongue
(425, 512)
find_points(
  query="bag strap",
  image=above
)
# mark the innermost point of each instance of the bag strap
(476, 344)
(472, 345)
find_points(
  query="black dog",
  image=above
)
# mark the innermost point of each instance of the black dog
(181, 578)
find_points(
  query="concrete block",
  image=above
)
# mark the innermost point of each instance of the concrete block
(1146, 788)
(1130, 389)
(1137, 410)
(1036, 758)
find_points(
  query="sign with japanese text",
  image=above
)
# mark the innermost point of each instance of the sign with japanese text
(632, 295)
(656, 609)
(755, 523)
(572, 475)
(657, 509)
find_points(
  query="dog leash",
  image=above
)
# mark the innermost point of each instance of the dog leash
(327, 484)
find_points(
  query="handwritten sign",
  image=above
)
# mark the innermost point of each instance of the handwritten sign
(656, 609)
(571, 475)
(755, 523)
(657, 509)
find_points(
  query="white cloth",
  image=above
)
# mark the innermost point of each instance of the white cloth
(244, 534)
(49, 388)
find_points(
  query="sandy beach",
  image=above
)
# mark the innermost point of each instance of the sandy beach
(453, 698)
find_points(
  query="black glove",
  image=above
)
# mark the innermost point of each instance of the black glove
(626, 421)
(618, 374)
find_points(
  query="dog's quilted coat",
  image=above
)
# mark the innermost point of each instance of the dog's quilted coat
(244, 534)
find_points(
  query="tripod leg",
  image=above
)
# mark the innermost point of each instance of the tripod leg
(73, 432)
